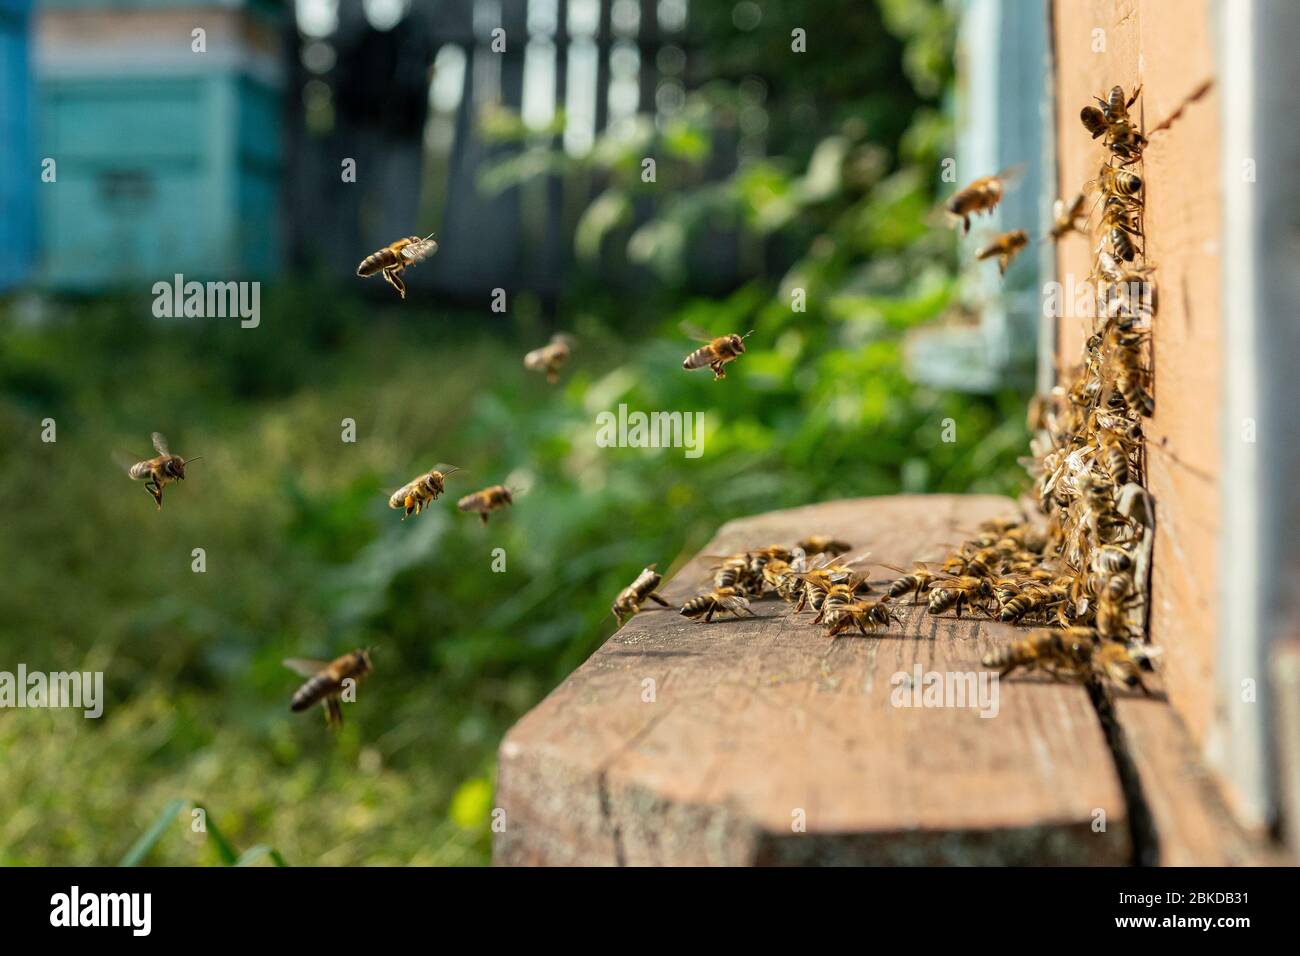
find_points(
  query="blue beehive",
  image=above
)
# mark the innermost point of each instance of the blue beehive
(17, 176)
(167, 156)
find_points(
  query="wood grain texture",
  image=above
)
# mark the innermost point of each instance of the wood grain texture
(755, 723)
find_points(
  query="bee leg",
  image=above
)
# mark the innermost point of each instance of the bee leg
(392, 278)
(333, 712)
(658, 600)
(483, 515)
(708, 618)
(156, 490)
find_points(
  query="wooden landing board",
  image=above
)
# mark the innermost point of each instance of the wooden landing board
(684, 743)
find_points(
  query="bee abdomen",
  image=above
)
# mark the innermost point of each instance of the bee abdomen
(377, 262)
(311, 692)
(697, 359)
(140, 469)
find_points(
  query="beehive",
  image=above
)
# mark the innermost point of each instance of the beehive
(166, 157)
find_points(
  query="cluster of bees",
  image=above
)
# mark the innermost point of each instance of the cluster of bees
(807, 576)
(1083, 573)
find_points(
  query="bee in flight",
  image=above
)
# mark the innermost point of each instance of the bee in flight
(415, 495)
(489, 499)
(551, 357)
(630, 599)
(716, 601)
(1004, 248)
(1066, 218)
(983, 195)
(393, 259)
(161, 471)
(327, 682)
(717, 353)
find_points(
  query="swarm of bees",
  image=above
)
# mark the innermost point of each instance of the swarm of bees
(1079, 570)
(392, 260)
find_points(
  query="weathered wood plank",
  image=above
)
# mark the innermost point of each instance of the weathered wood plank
(758, 724)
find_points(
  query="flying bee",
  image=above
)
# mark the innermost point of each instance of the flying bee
(630, 599)
(715, 602)
(1062, 653)
(415, 495)
(392, 260)
(917, 582)
(982, 195)
(328, 681)
(823, 544)
(1004, 248)
(550, 358)
(161, 471)
(717, 353)
(487, 500)
(1066, 218)
(866, 616)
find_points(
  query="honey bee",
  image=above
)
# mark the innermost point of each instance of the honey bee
(630, 599)
(1122, 137)
(818, 581)
(1113, 453)
(1129, 376)
(1094, 120)
(550, 358)
(1115, 107)
(392, 260)
(1005, 248)
(956, 592)
(415, 495)
(1112, 559)
(327, 682)
(781, 577)
(735, 572)
(1101, 515)
(1033, 598)
(1066, 652)
(715, 602)
(917, 582)
(487, 500)
(717, 353)
(982, 195)
(1066, 218)
(1123, 663)
(866, 616)
(823, 544)
(1117, 181)
(161, 471)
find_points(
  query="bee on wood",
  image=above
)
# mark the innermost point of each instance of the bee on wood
(550, 358)
(630, 599)
(392, 260)
(818, 581)
(1100, 514)
(1094, 121)
(487, 500)
(1066, 218)
(327, 682)
(1118, 182)
(823, 544)
(781, 577)
(1032, 599)
(1113, 453)
(717, 353)
(715, 602)
(160, 471)
(1122, 137)
(415, 495)
(954, 593)
(866, 616)
(1130, 378)
(1004, 248)
(981, 196)
(836, 596)
(916, 582)
(735, 572)
(1112, 559)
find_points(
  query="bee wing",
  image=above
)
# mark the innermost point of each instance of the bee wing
(695, 332)
(160, 443)
(305, 666)
(417, 251)
(734, 603)
(1011, 175)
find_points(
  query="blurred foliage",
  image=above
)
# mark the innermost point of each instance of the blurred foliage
(304, 558)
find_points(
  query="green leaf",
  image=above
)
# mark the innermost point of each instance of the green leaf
(140, 849)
